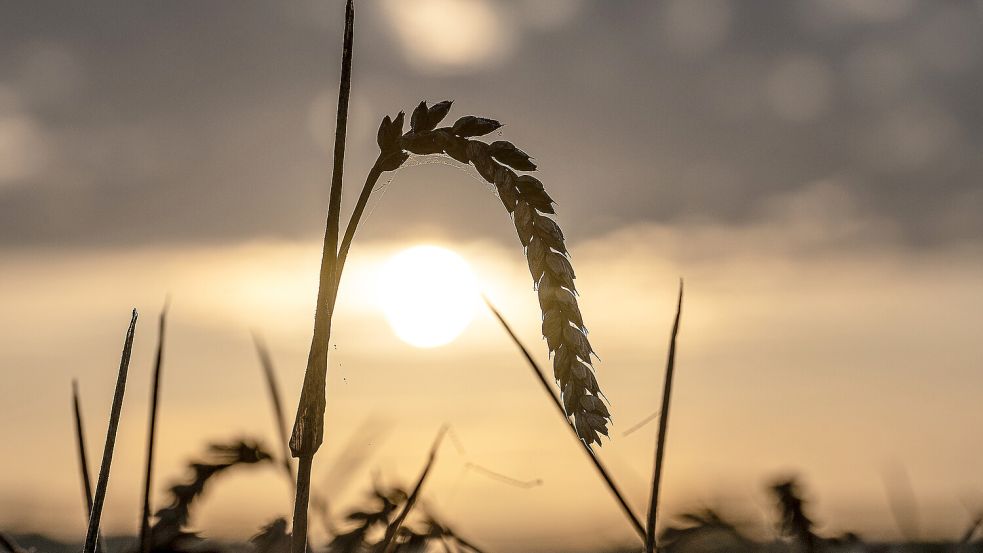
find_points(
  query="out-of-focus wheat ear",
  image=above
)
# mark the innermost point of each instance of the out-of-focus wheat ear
(83, 457)
(660, 446)
(266, 361)
(8, 544)
(541, 377)
(102, 484)
(145, 528)
(388, 544)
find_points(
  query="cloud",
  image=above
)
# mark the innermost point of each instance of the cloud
(450, 35)
(23, 148)
(800, 88)
(696, 26)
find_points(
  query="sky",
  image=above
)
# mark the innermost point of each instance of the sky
(811, 168)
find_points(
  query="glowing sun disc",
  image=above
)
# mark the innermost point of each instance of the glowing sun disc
(428, 295)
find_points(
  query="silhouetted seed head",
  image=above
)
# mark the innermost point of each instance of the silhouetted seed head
(549, 263)
(168, 532)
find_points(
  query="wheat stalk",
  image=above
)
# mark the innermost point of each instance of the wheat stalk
(660, 447)
(308, 431)
(102, 484)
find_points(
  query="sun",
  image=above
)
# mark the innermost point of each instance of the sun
(428, 295)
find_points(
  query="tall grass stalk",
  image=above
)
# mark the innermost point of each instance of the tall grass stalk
(102, 484)
(145, 529)
(83, 457)
(308, 431)
(660, 446)
(601, 470)
(388, 544)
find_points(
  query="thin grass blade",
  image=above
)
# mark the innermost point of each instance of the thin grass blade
(102, 484)
(388, 544)
(660, 447)
(601, 470)
(269, 372)
(80, 442)
(83, 458)
(145, 528)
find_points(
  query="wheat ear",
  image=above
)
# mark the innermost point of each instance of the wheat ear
(530, 206)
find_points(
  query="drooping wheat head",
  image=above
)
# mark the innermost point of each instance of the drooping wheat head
(531, 208)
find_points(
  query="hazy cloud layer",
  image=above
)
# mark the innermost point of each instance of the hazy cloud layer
(183, 122)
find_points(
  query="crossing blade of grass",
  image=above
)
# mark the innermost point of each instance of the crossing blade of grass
(660, 446)
(83, 457)
(102, 484)
(541, 377)
(145, 529)
(274, 390)
(388, 544)
(641, 424)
